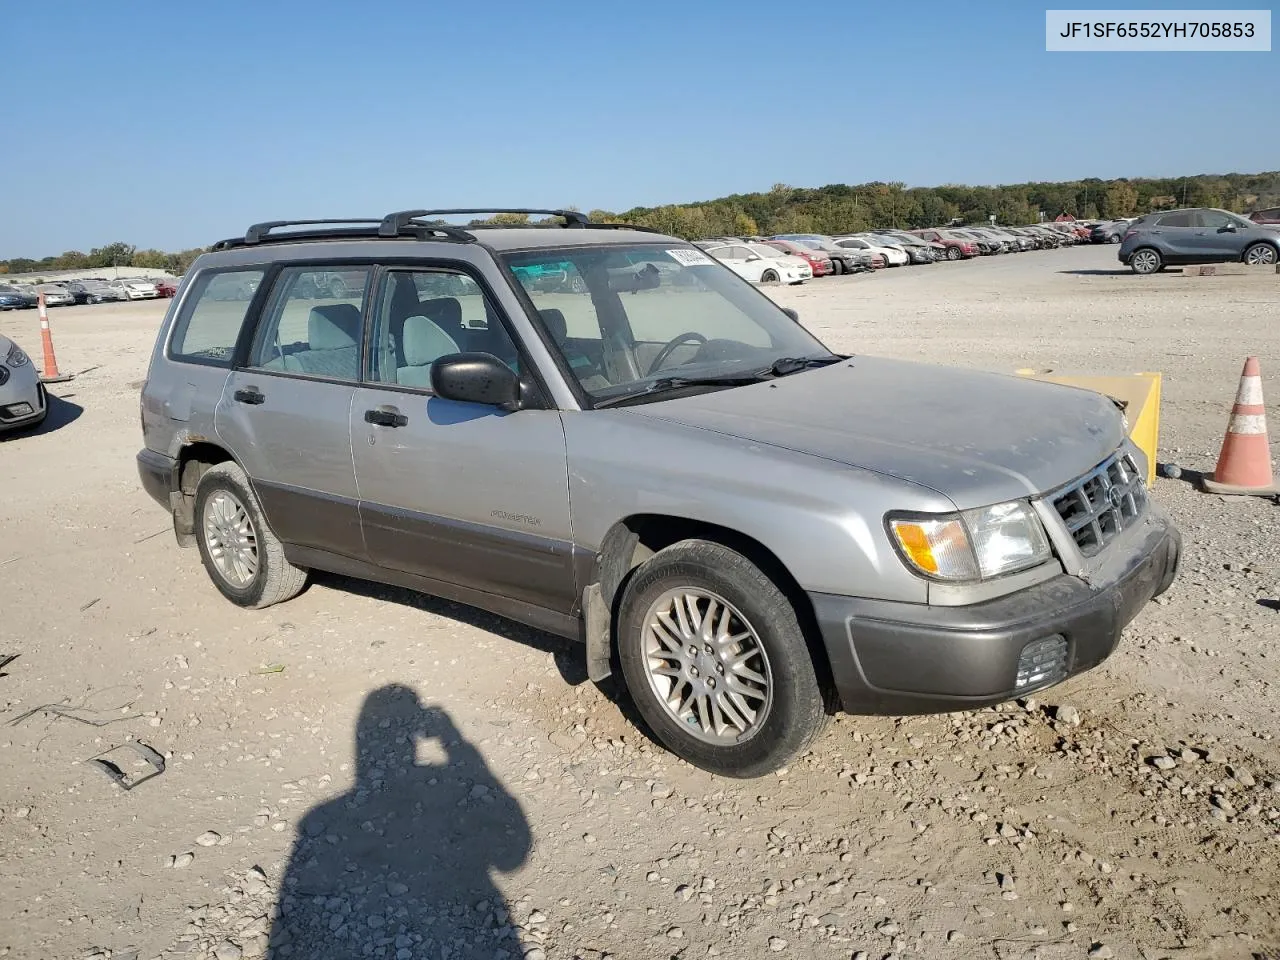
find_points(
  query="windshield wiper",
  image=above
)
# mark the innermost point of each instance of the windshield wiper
(786, 365)
(666, 384)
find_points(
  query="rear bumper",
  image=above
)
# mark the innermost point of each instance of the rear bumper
(900, 658)
(159, 475)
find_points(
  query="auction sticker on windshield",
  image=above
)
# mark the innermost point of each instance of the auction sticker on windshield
(689, 258)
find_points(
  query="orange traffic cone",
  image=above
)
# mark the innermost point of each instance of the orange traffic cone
(51, 374)
(1244, 465)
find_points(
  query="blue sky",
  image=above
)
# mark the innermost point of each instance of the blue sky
(172, 125)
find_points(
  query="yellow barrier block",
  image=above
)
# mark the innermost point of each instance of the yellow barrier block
(1140, 392)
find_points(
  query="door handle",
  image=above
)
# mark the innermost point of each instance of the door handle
(386, 417)
(250, 395)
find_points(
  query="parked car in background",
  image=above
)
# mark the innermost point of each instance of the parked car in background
(23, 402)
(94, 291)
(1270, 215)
(166, 286)
(843, 259)
(760, 263)
(987, 247)
(878, 260)
(1110, 231)
(1197, 235)
(958, 248)
(1052, 239)
(920, 251)
(819, 262)
(55, 295)
(134, 288)
(895, 255)
(13, 298)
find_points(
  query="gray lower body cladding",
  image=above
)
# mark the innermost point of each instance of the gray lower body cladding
(899, 658)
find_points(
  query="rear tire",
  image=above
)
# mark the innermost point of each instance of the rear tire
(230, 526)
(1146, 261)
(750, 634)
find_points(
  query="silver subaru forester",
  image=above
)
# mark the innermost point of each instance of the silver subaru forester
(601, 432)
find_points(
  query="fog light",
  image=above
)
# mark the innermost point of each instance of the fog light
(1042, 662)
(18, 410)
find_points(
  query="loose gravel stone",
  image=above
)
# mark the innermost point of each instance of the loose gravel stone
(777, 944)
(227, 950)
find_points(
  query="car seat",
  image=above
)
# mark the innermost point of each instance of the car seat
(425, 342)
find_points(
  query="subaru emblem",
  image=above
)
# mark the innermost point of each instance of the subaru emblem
(1115, 496)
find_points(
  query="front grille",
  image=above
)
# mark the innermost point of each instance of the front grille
(1102, 503)
(1042, 662)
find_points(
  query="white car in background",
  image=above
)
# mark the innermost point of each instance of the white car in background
(134, 288)
(760, 263)
(894, 254)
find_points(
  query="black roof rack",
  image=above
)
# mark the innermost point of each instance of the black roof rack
(393, 223)
(403, 223)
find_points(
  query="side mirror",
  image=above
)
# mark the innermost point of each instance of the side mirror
(476, 378)
(1229, 228)
(752, 258)
(791, 313)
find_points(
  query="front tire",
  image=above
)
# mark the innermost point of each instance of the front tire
(769, 276)
(1260, 255)
(953, 253)
(1146, 261)
(243, 558)
(716, 662)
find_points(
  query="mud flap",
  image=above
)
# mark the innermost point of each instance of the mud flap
(596, 625)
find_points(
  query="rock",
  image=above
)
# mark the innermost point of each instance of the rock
(859, 955)
(652, 876)
(208, 839)
(1067, 714)
(888, 928)
(660, 790)
(1223, 804)
(954, 935)
(684, 892)
(675, 933)
(777, 944)
(1241, 776)
(1188, 755)
(1164, 763)
(537, 917)
(227, 950)
(397, 889)
(314, 828)
(22, 813)
(1100, 951)
(535, 953)
(182, 860)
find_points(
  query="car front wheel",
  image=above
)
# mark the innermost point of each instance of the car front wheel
(1146, 261)
(243, 558)
(716, 662)
(1260, 255)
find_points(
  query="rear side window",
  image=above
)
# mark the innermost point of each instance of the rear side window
(1176, 220)
(212, 315)
(313, 324)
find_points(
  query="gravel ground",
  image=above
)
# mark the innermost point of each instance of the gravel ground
(367, 772)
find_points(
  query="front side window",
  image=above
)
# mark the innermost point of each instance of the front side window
(422, 316)
(648, 312)
(313, 323)
(212, 314)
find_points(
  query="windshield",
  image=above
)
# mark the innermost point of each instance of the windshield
(624, 317)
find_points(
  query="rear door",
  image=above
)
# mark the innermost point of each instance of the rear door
(286, 411)
(459, 493)
(1173, 235)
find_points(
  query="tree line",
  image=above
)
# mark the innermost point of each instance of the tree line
(837, 208)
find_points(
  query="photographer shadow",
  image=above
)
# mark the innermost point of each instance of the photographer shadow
(401, 864)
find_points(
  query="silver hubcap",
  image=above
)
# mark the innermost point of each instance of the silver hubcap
(707, 666)
(1262, 255)
(1145, 261)
(229, 536)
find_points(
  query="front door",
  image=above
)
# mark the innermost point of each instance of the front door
(1215, 237)
(459, 493)
(287, 412)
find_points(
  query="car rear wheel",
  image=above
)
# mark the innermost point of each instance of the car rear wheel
(953, 253)
(1146, 261)
(243, 558)
(837, 267)
(769, 276)
(1260, 255)
(715, 660)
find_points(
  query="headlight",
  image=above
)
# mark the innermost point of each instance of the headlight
(15, 357)
(973, 545)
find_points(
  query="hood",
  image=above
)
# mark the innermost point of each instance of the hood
(977, 438)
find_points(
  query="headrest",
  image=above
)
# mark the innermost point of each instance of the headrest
(333, 325)
(557, 326)
(446, 311)
(425, 342)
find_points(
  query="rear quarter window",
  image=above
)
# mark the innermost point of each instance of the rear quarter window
(212, 315)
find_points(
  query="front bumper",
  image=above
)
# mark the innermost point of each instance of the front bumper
(900, 658)
(23, 401)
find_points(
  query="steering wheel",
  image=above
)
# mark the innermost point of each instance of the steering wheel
(667, 350)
